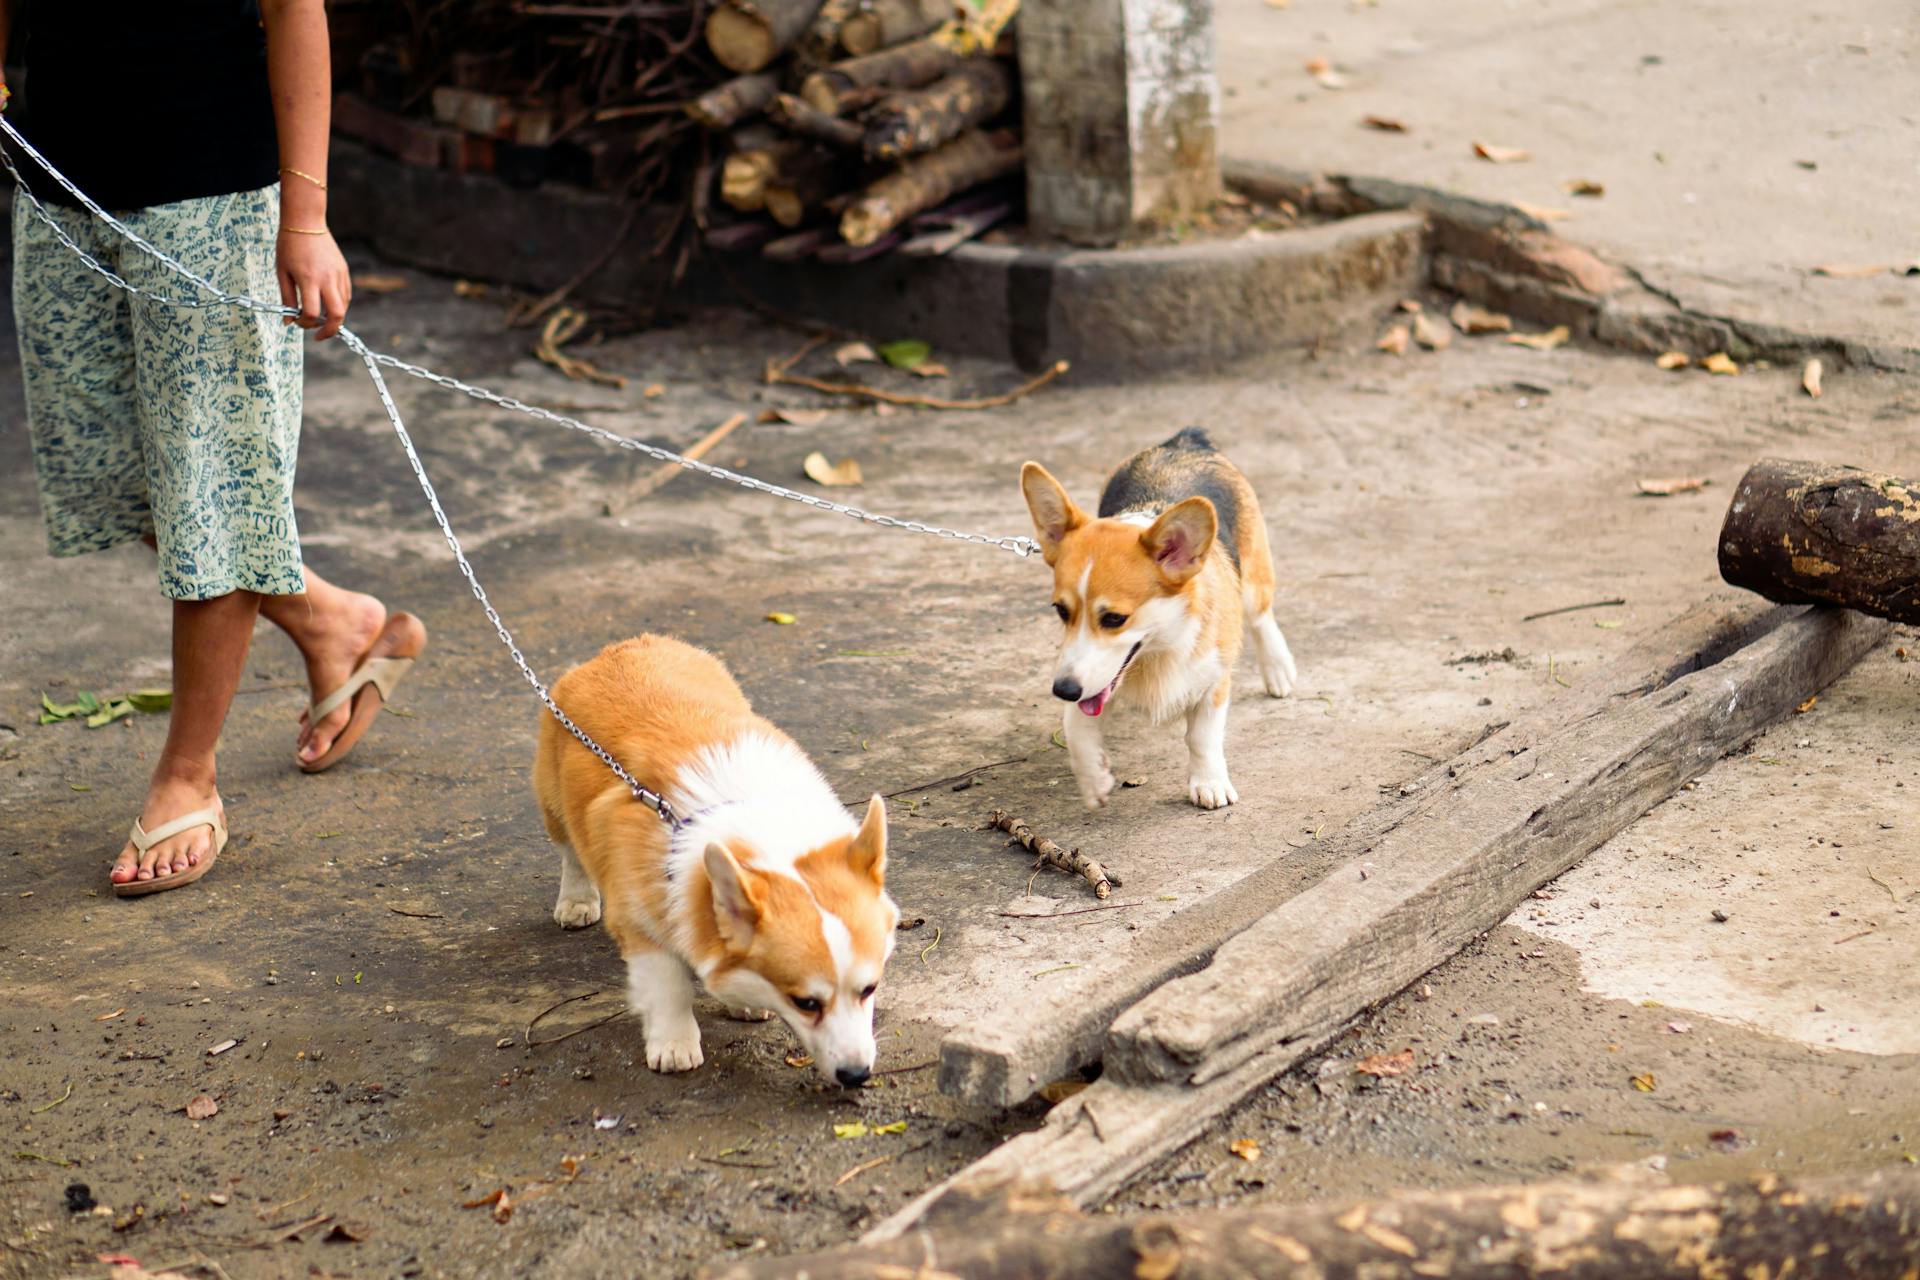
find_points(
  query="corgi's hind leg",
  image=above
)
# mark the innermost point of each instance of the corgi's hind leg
(660, 990)
(579, 902)
(1270, 651)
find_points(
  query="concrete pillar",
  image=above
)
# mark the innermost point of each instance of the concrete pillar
(1120, 113)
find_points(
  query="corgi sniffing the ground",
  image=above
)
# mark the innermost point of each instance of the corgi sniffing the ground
(1153, 593)
(769, 894)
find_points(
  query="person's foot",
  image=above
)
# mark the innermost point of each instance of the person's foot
(333, 642)
(168, 797)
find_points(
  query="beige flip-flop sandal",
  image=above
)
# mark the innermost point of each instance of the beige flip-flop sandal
(368, 688)
(144, 840)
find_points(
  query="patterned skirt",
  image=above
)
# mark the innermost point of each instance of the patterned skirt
(178, 422)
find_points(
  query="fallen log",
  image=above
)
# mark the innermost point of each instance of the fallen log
(820, 42)
(807, 120)
(911, 123)
(1807, 532)
(741, 98)
(924, 181)
(999, 1062)
(1847, 1227)
(833, 89)
(802, 184)
(746, 174)
(882, 23)
(1504, 819)
(747, 35)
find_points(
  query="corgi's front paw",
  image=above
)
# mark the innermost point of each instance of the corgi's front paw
(675, 1050)
(1094, 791)
(750, 1015)
(576, 913)
(1211, 790)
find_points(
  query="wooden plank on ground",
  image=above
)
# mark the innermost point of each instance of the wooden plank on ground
(1000, 1061)
(1504, 819)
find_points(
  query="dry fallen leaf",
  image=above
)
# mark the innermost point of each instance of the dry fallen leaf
(202, 1107)
(1678, 484)
(1322, 71)
(654, 391)
(1679, 1028)
(1720, 362)
(1541, 212)
(501, 1202)
(799, 1059)
(1583, 187)
(1807, 706)
(1394, 340)
(856, 353)
(376, 284)
(1060, 1090)
(1430, 335)
(1386, 1064)
(1246, 1148)
(1849, 270)
(1468, 318)
(1672, 360)
(795, 417)
(1644, 1082)
(851, 1129)
(820, 471)
(930, 369)
(1385, 124)
(1554, 337)
(1810, 378)
(1498, 154)
(782, 619)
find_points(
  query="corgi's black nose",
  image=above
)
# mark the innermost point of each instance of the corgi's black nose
(852, 1077)
(1067, 689)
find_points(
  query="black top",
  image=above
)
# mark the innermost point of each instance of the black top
(145, 102)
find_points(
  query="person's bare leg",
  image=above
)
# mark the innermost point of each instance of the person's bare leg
(210, 639)
(332, 627)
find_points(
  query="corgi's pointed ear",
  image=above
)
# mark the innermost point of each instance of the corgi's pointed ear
(1054, 515)
(867, 854)
(1180, 539)
(738, 897)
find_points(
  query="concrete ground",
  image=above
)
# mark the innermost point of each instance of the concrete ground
(1740, 143)
(377, 940)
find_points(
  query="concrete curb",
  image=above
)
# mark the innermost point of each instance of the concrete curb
(1114, 314)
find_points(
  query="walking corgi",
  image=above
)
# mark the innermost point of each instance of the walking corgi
(1153, 593)
(770, 894)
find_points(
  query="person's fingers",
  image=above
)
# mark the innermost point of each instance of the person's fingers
(310, 301)
(289, 296)
(334, 295)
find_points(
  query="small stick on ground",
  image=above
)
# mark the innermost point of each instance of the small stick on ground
(527, 1035)
(780, 375)
(417, 915)
(1574, 608)
(668, 470)
(1071, 861)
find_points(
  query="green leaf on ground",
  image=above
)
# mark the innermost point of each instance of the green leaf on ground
(906, 353)
(110, 712)
(151, 701)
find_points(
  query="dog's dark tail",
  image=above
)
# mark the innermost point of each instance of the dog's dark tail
(1191, 438)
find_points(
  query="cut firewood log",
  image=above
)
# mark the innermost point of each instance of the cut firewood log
(1807, 532)
(911, 123)
(819, 44)
(881, 24)
(1620, 1228)
(747, 35)
(924, 181)
(907, 66)
(726, 105)
(745, 175)
(803, 183)
(807, 120)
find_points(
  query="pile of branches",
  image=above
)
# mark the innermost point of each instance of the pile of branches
(849, 118)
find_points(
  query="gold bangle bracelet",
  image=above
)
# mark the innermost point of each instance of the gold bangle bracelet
(309, 177)
(305, 231)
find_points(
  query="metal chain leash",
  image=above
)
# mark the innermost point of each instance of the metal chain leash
(374, 360)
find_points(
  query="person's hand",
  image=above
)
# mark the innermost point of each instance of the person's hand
(314, 278)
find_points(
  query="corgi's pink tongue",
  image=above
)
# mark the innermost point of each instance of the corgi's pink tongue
(1097, 703)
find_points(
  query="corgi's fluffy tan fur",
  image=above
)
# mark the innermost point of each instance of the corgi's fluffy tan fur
(771, 895)
(1154, 592)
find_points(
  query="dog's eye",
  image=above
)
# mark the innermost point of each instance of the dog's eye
(1061, 610)
(868, 993)
(1113, 621)
(806, 1004)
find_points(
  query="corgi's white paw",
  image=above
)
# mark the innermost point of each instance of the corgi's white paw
(1211, 791)
(576, 913)
(750, 1015)
(1095, 791)
(678, 1050)
(1279, 676)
